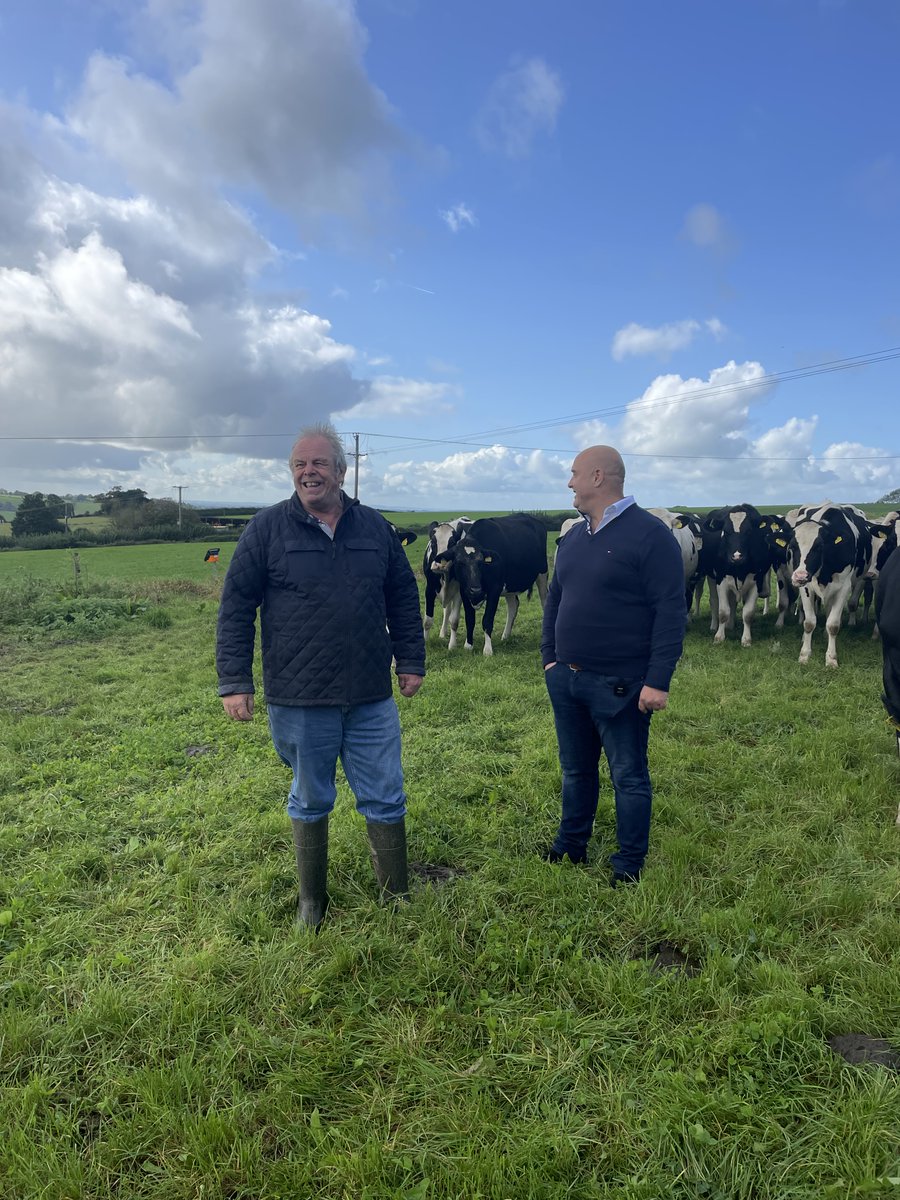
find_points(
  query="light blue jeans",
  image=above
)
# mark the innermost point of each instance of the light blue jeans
(366, 739)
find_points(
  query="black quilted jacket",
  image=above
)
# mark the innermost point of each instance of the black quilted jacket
(332, 613)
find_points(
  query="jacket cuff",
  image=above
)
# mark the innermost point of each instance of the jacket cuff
(237, 687)
(407, 667)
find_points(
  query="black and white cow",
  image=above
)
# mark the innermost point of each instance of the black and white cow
(887, 614)
(569, 523)
(885, 538)
(685, 529)
(740, 563)
(499, 556)
(406, 536)
(440, 576)
(778, 535)
(831, 556)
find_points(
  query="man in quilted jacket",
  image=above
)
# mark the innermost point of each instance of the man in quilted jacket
(337, 601)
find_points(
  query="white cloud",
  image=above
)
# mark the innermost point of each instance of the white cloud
(309, 131)
(522, 103)
(393, 396)
(457, 217)
(488, 471)
(636, 339)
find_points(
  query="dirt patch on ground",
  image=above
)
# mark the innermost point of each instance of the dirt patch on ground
(863, 1050)
(665, 957)
(435, 873)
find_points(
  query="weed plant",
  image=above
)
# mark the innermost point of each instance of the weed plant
(168, 1033)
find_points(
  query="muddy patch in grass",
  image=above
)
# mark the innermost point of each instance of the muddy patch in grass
(436, 873)
(862, 1050)
(665, 958)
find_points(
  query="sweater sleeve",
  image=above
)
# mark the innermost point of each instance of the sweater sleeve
(404, 616)
(663, 581)
(548, 627)
(242, 595)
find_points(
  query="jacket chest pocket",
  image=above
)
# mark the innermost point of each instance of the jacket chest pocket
(307, 561)
(364, 559)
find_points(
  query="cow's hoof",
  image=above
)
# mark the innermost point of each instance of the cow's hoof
(719, 639)
(468, 646)
(831, 662)
(803, 659)
(746, 643)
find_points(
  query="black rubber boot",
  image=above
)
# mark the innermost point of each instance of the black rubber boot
(388, 847)
(311, 848)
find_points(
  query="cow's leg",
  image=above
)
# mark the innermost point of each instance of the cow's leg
(512, 607)
(833, 625)
(809, 624)
(445, 606)
(541, 582)
(763, 586)
(454, 604)
(750, 595)
(713, 589)
(853, 603)
(470, 622)
(723, 609)
(487, 624)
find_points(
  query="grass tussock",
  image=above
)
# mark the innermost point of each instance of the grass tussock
(166, 1032)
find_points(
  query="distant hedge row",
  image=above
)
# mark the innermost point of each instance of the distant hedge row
(78, 538)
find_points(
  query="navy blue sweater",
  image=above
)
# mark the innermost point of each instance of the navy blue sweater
(617, 600)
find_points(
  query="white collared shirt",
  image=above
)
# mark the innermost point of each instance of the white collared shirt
(612, 511)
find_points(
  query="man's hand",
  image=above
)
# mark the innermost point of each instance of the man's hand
(239, 706)
(549, 665)
(409, 684)
(652, 699)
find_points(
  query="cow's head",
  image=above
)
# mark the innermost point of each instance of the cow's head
(743, 533)
(472, 564)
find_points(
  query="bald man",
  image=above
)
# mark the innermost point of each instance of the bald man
(612, 634)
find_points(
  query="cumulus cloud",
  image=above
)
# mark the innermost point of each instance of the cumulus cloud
(309, 131)
(523, 103)
(457, 217)
(393, 396)
(634, 339)
(130, 301)
(490, 471)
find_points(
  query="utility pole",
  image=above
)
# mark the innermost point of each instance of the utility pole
(356, 457)
(179, 487)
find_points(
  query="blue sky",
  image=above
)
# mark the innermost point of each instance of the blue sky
(483, 236)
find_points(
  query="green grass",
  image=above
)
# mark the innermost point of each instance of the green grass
(166, 1032)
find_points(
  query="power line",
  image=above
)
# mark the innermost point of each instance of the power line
(829, 367)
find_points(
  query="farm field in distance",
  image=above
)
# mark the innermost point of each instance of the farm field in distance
(518, 1030)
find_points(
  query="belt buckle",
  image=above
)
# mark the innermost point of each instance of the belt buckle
(574, 667)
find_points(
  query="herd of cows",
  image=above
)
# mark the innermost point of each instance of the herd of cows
(824, 558)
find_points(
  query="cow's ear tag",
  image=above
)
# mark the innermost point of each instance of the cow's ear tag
(838, 539)
(764, 524)
(679, 524)
(780, 542)
(488, 558)
(881, 535)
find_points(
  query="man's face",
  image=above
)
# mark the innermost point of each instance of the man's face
(316, 480)
(582, 482)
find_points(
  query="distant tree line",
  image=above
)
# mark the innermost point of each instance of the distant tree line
(131, 513)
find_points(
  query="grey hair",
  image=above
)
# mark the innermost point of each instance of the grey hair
(324, 429)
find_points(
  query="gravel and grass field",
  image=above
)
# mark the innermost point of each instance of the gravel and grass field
(519, 1030)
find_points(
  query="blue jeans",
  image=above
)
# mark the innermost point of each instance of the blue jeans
(365, 737)
(591, 719)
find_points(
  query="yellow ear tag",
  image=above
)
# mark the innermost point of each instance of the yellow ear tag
(487, 558)
(780, 542)
(764, 524)
(679, 524)
(838, 539)
(881, 535)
